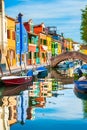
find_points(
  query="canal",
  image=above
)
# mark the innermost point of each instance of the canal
(48, 103)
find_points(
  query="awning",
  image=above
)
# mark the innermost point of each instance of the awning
(32, 48)
(44, 48)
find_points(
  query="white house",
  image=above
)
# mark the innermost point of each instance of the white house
(3, 31)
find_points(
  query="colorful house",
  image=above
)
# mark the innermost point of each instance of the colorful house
(49, 54)
(40, 30)
(33, 49)
(3, 35)
(83, 49)
(21, 42)
(54, 47)
(68, 45)
(59, 48)
(11, 42)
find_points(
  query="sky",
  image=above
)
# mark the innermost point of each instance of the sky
(64, 14)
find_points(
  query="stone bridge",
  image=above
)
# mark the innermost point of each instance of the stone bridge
(66, 56)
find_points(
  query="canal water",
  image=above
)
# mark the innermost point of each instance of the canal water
(47, 104)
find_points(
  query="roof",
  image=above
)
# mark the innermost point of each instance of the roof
(10, 18)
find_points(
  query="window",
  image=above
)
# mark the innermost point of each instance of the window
(52, 45)
(45, 42)
(43, 55)
(17, 38)
(8, 34)
(35, 55)
(40, 41)
(13, 35)
(25, 38)
(29, 55)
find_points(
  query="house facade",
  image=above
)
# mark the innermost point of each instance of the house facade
(21, 42)
(11, 41)
(40, 31)
(3, 34)
(33, 48)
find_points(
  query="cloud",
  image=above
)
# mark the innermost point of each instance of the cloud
(49, 10)
(65, 14)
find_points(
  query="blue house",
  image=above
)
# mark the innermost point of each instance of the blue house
(21, 42)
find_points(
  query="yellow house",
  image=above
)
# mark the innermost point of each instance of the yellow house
(71, 45)
(59, 48)
(49, 54)
(11, 42)
(83, 49)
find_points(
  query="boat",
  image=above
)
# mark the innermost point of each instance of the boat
(78, 71)
(29, 72)
(42, 72)
(71, 64)
(15, 80)
(80, 95)
(80, 86)
(32, 72)
(84, 68)
(64, 65)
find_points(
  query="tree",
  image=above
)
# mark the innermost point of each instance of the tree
(70, 39)
(83, 28)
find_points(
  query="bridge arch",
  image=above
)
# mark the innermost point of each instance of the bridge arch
(66, 56)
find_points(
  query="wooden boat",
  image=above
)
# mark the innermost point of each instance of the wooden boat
(81, 86)
(80, 95)
(15, 80)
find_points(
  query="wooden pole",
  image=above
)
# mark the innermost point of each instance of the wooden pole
(1, 71)
(8, 65)
(25, 67)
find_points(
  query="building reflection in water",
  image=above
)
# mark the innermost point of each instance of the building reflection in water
(18, 108)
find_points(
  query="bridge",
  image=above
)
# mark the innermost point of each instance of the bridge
(66, 56)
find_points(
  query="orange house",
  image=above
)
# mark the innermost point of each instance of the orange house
(39, 28)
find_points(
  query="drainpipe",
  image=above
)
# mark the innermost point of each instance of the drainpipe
(20, 21)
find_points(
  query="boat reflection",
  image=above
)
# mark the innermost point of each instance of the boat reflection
(83, 97)
(13, 90)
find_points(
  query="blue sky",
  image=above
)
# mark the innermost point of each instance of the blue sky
(64, 14)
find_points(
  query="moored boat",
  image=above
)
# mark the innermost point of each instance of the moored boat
(42, 72)
(84, 68)
(81, 86)
(80, 95)
(15, 80)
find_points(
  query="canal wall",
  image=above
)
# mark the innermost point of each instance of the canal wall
(17, 70)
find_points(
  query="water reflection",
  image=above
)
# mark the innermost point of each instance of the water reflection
(18, 103)
(21, 103)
